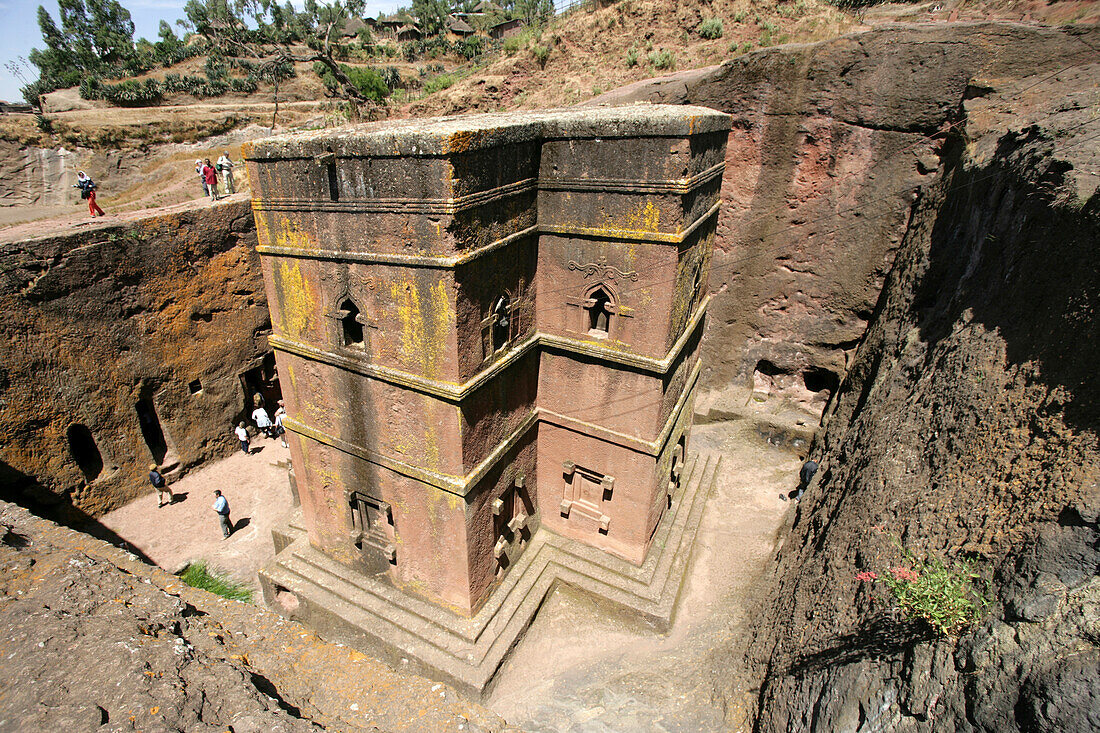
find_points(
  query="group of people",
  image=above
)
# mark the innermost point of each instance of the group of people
(208, 175)
(265, 424)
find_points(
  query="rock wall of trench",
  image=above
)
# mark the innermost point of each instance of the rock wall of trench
(36, 176)
(967, 426)
(167, 310)
(831, 144)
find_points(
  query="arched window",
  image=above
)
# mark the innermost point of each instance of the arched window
(501, 324)
(352, 327)
(599, 312)
(84, 451)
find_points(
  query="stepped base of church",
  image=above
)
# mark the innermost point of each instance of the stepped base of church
(466, 652)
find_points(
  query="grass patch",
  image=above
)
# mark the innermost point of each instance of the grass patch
(198, 575)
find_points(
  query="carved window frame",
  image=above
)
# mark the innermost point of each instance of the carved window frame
(364, 536)
(572, 502)
(513, 307)
(615, 312)
(337, 314)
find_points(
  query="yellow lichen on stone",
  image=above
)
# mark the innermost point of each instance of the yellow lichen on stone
(423, 335)
(295, 299)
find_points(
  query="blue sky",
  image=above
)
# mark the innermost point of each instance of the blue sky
(19, 28)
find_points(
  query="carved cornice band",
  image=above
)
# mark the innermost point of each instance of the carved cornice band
(463, 485)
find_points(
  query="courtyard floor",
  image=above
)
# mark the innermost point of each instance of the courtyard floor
(578, 667)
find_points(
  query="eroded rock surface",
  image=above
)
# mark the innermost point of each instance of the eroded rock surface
(93, 639)
(831, 144)
(968, 424)
(125, 342)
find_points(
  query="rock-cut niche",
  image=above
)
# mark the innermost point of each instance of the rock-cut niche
(85, 452)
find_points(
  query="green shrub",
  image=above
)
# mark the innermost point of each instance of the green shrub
(710, 29)
(631, 58)
(198, 575)
(131, 93)
(366, 80)
(662, 59)
(439, 83)
(541, 54)
(739, 16)
(472, 47)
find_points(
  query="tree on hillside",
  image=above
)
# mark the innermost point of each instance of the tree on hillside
(273, 36)
(96, 37)
(432, 15)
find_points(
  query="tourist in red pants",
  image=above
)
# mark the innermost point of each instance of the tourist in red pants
(87, 191)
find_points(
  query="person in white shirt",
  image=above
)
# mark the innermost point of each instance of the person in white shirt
(242, 435)
(279, 429)
(225, 167)
(263, 421)
(221, 508)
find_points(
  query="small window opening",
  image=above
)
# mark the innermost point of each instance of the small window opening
(353, 329)
(151, 430)
(501, 324)
(195, 387)
(599, 315)
(84, 451)
(333, 180)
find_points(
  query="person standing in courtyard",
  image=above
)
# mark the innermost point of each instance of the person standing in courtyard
(242, 435)
(263, 421)
(210, 176)
(221, 508)
(280, 415)
(225, 167)
(161, 485)
(87, 191)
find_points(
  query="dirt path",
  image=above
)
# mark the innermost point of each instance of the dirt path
(577, 669)
(259, 498)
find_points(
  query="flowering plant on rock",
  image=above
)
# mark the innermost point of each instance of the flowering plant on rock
(944, 593)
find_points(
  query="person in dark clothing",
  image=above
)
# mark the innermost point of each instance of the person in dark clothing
(161, 485)
(805, 476)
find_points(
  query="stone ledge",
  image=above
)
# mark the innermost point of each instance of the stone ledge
(466, 652)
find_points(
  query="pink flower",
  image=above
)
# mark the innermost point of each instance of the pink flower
(866, 575)
(909, 576)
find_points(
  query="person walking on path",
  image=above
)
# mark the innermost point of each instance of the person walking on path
(263, 421)
(87, 191)
(210, 175)
(242, 435)
(202, 176)
(225, 167)
(280, 414)
(221, 508)
(161, 485)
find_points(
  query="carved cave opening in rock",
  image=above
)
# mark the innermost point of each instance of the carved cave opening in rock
(83, 449)
(817, 379)
(195, 386)
(352, 327)
(264, 381)
(151, 429)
